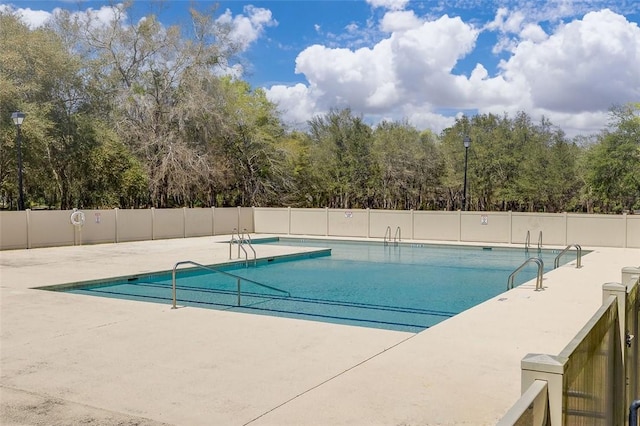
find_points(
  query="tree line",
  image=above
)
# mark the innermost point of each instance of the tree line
(142, 115)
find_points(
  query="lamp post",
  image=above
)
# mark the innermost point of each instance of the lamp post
(18, 118)
(467, 142)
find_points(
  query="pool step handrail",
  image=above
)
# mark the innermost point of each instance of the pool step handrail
(540, 241)
(246, 239)
(208, 268)
(527, 241)
(236, 239)
(556, 262)
(387, 236)
(397, 237)
(535, 260)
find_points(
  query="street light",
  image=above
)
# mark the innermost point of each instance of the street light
(18, 118)
(467, 142)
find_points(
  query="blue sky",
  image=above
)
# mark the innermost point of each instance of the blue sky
(426, 61)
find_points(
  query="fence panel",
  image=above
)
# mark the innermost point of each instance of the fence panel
(14, 230)
(592, 391)
(532, 409)
(198, 222)
(348, 223)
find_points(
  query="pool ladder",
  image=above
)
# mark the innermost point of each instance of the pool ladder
(527, 242)
(397, 237)
(556, 262)
(241, 241)
(535, 260)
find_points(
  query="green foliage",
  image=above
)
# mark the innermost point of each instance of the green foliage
(137, 115)
(613, 164)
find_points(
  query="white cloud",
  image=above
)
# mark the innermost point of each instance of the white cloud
(399, 21)
(247, 28)
(585, 66)
(389, 4)
(32, 18)
(296, 103)
(572, 75)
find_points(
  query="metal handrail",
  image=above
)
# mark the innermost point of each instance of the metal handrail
(535, 260)
(248, 241)
(239, 241)
(237, 277)
(233, 240)
(556, 262)
(527, 241)
(387, 232)
(540, 241)
(397, 236)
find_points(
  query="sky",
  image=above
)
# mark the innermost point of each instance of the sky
(427, 61)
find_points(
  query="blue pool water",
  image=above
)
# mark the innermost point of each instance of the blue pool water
(404, 287)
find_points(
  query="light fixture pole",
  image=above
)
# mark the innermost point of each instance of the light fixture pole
(18, 118)
(467, 142)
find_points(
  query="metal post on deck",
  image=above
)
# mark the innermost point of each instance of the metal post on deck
(238, 280)
(633, 413)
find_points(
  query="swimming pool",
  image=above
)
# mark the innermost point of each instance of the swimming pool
(408, 287)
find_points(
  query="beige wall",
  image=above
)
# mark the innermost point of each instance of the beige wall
(633, 231)
(246, 219)
(13, 230)
(381, 219)
(51, 228)
(45, 228)
(308, 221)
(599, 230)
(99, 227)
(168, 223)
(271, 220)
(198, 222)
(134, 225)
(488, 227)
(348, 223)
(439, 226)
(225, 220)
(553, 228)
(558, 229)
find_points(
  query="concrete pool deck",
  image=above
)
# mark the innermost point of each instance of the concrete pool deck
(73, 359)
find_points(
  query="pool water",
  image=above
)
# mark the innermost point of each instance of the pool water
(403, 287)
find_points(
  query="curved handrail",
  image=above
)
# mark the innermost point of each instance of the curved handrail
(387, 233)
(535, 260)
(248, 241)
(540, 241)
(556, 262)
(237, 277)
(397, 236)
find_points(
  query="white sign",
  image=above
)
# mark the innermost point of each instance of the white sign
(484, 219)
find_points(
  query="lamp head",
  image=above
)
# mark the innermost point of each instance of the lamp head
(18, 118)
(466, 141)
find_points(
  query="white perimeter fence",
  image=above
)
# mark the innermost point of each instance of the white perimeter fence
(47, 228)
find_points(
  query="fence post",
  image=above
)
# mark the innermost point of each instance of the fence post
(153, 223)
(550, 369)
(326, 218)
(620, 292)
(28, 213)
(630, 278)
(621, 390)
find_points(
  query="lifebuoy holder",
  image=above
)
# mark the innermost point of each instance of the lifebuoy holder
(77, 218)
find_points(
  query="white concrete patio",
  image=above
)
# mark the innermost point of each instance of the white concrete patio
(73, 359)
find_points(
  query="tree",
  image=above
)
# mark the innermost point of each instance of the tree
(344, 167)
(613, 164)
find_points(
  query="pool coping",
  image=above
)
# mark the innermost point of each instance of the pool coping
(75, 358)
